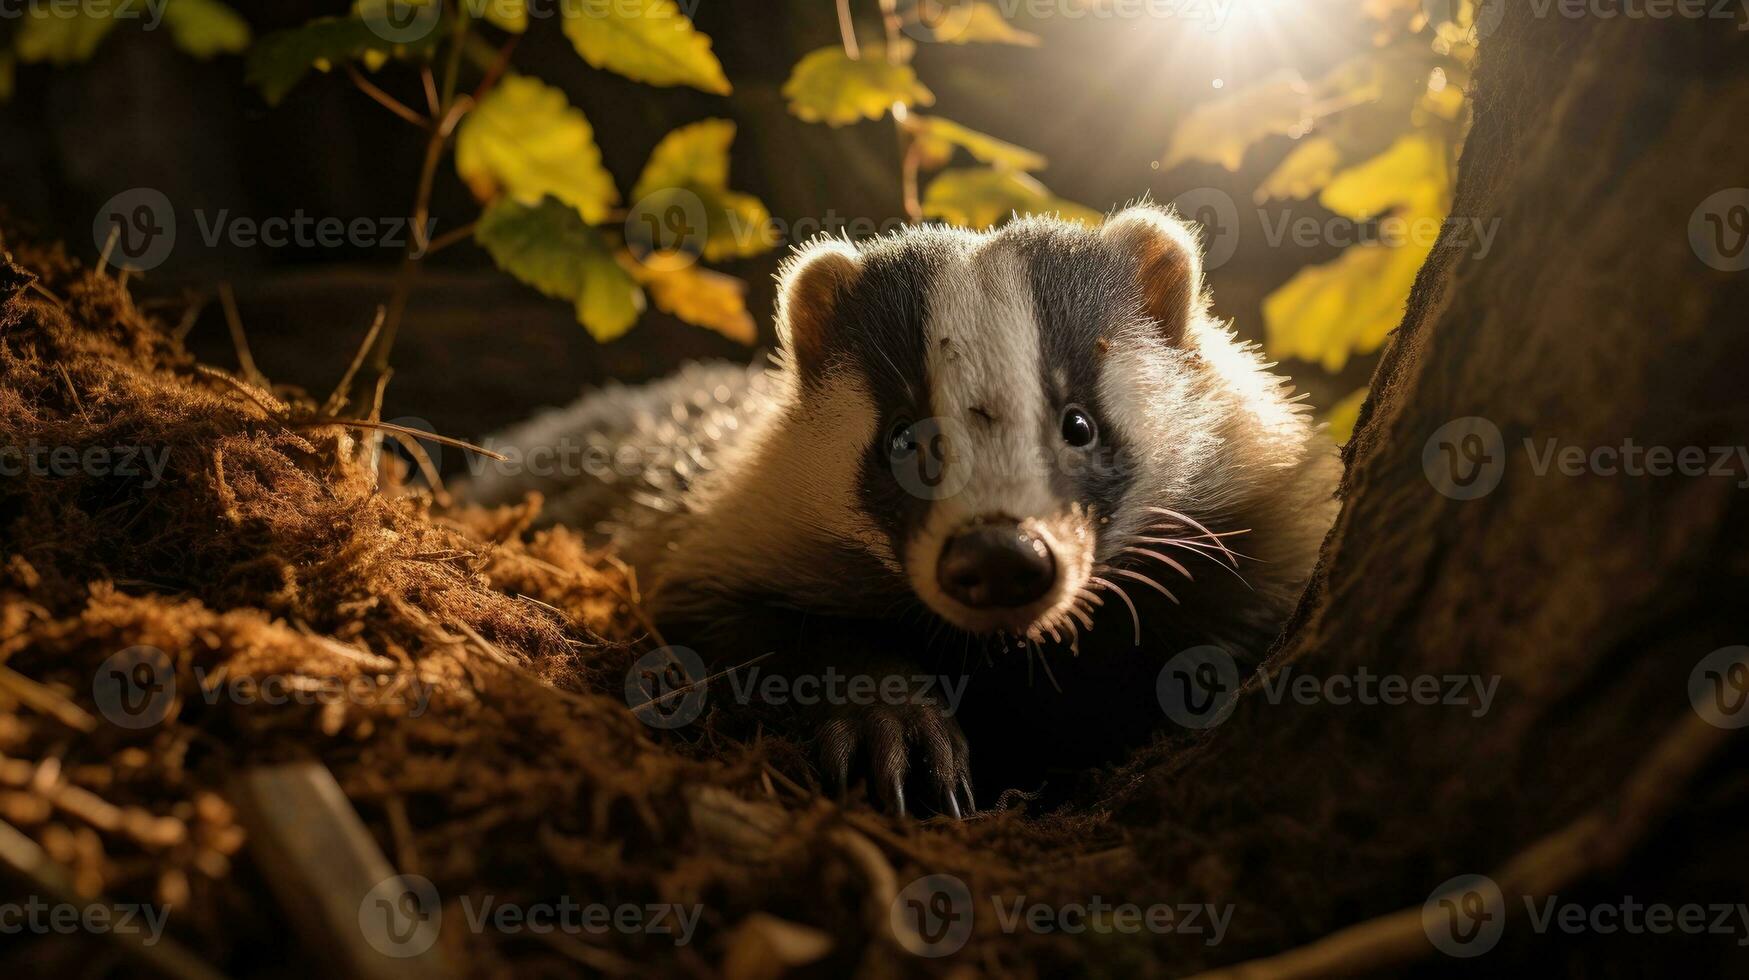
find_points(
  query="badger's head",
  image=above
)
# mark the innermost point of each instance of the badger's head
(1025, 407)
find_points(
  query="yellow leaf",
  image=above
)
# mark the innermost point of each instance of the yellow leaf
(937, 137)
(507, 15)
(648, 41)
(699, 296)
(827, 86)
(47, 35)
(205, 28)
(1306, 169)
(1412, 170)
(525, 140)
(978, 197)
(1220, 131)
(1328, 312)
(684, 191)
(953, 22)
(548, 246)
(693, 155)
(1344, 414)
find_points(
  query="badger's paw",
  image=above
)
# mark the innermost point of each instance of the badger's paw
(906, 752)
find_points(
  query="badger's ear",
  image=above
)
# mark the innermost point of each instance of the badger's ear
(810, 285)
(1168, 264)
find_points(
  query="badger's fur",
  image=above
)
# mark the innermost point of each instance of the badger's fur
(922, 389)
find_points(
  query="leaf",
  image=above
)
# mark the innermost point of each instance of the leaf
(49, 35)
(1303, 172)
(548, 246)
(525, 140)
(937, 137)
(952, 22)
(205, 28)
(280, 60)
(1412, 170)
(507, 15)
(689, 170)
(699, 296)
(1328, 312)
(1220, 131)
(827, 86)
(648, 41)
(979, 197)
(1344, 414)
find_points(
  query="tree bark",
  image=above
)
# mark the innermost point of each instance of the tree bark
(1591, 321)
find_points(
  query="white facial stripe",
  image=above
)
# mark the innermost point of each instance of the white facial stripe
(982, 357)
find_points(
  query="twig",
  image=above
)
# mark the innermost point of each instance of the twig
(426, 467)
(71, 391)
(847, 31)
(269, 404)
(449, 238)
(499, 65)
(235, 323)
(1593, 843)
(108, 247)
(403, 430)
(429, 83)
(189, 316)
(386, 100)
(338, 398)
(44, 700)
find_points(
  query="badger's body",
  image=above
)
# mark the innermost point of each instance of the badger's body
(1016, 460)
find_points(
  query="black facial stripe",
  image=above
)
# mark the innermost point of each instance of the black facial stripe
(878, 332)
(1081, 291)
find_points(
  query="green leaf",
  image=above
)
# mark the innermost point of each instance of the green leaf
(205, 28)
(694, 160)
(937, 137)
(49, 35)
(548, 246)
(280, 60)
(978, 197)
(827, 86)
(647, 41)
(525, 140)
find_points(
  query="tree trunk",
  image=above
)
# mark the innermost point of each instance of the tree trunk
(1592, 598)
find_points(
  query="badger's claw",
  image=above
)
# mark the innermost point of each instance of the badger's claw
(895, 747)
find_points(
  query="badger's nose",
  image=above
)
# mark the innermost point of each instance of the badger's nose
(995, 565)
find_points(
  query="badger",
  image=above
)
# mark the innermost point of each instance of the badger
(1000, 476)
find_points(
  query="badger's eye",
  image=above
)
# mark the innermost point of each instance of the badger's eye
(902, 440)
(1078, 428)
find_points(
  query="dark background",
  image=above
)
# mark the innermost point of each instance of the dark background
(1099, 98)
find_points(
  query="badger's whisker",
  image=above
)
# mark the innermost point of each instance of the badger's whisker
(1135, 617)
(1138, 576)
(1168, 560)
(1197, 549)
(1076, 611)
(1201, 547)
(1193, 522)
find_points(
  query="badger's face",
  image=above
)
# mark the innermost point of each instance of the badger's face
(995, 388)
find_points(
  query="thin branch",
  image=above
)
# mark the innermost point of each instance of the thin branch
(449, 238)
(338, 398)
(234, 322)
(499, 65)
(384, 99)
(402, 429)
(847, 31)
